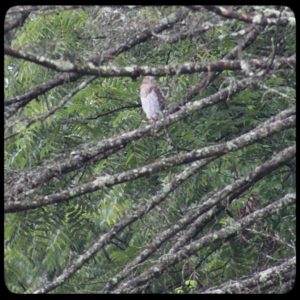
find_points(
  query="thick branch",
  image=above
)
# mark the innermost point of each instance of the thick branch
(22, 100)
(257, 19)
(227, 194)
(13, 21)
(61, 79)
(129, 219)
(28, 122)
(143, 209)
(259, 281)
(168, 259)
(135, 70)
(141, 37)
(79, 157)
(15, 204)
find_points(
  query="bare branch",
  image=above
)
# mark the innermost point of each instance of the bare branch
(168, 259)
(257, 19)
(254, 31)
(83, 154)
(14, 204)
(141, 37)
(41, 89)
(227, 194)
(256, 283)
(135, 70)
(106, 238)
(12, 21)
(114, 110)
(38, 118)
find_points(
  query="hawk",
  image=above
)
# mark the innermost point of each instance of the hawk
(153, 104)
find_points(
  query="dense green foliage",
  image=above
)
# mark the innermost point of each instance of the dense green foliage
(41, 243)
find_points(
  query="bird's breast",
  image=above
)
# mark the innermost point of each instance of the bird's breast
(151, 105)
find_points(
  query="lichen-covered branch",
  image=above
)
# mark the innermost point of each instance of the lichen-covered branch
(16, 16)
(22, 100)
(28, 122)
(167, 260)
(14, 203)
(260, 281)
(187, 34)
(136, 70)
(259, 172)
(227, 194)
(105, 239)
(141, 37)
(254, 32)
(165, 212)
(129, 219)
(137, 39)
(257, 19)
(83, 154)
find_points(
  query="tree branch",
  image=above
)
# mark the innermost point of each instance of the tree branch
(249, 39)
(22, 100)
(258, 282)
(141, 37)
(14, 204)
(114, 110)
(143, 209)
(28, 122)
(168, 259)
(135, 70)
(61, 79)
(256, 19)
(83, 154)
(12, 22)
(227, 194)
(106, 238)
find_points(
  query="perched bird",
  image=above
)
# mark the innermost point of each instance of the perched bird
(153, 103)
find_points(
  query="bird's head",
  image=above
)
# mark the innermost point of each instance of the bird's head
(148, 80)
